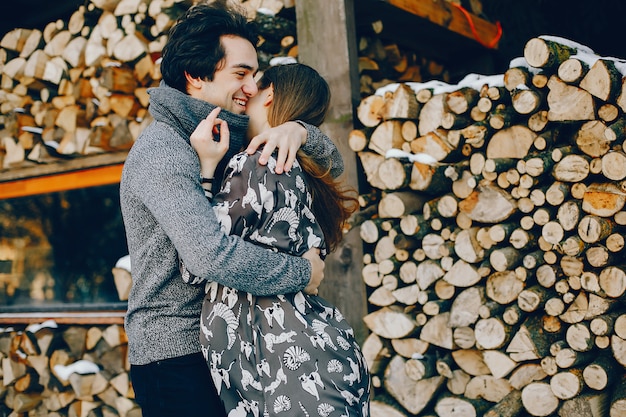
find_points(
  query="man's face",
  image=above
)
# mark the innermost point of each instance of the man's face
(233, 83)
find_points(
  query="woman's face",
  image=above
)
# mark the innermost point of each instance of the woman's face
(257, 110)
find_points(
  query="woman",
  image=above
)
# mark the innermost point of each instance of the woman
(291, 354)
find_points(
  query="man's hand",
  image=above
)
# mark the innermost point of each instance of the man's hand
(288, 138)
(210, 139)
(317, 270)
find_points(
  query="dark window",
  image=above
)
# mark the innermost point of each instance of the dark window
(57, 250)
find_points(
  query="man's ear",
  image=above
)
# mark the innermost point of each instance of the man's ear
(193, 82)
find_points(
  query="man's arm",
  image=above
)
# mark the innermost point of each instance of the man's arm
(291, 136)
(248, 204)
(167, 181)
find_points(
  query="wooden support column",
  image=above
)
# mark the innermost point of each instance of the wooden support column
(327, 42)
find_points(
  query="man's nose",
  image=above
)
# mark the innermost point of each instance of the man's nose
(250, 88)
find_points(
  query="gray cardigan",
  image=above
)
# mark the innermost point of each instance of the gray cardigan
(166, 216)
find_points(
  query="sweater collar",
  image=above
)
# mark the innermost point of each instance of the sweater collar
(184, 113)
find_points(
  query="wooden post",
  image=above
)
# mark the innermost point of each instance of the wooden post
(327, 42)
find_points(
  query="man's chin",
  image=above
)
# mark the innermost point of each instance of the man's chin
(237, 108)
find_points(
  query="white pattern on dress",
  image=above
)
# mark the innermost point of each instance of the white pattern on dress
(282, 403)
(286, 214)
(280, 379)
(311, 381)
(222, 213)
(251, 198)
(210, 289)
(272, 339)
(265, 240)
(313, 240)
(306, 212)
(295, 356)
(244, 407)
(247, 380)
(229, 297)
(349, 397)
(237, 162)
(274, 313)
(355, 375)
(222, 311)
(245, 347)
(220, 375)
(291, 199)
(300, 185)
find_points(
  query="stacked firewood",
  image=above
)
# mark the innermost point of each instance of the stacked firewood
(80, 87)
(494, 239)
(77, 371)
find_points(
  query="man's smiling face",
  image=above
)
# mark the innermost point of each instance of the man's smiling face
(233, 83)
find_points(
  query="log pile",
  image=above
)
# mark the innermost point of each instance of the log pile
(494, 239)
(79, 87)
(77, 371)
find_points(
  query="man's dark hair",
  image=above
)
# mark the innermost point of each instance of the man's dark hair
(193, 45)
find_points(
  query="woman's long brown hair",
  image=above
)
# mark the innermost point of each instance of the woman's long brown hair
(300, 93)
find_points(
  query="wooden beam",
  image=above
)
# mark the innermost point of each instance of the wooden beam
(327, 42)
(63, 165)
(447, 15)
(434, 28)
(91, 177)
(65, 317)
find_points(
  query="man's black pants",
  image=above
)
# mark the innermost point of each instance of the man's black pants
(176, 387)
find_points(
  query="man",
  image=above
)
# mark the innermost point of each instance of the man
(210, 60)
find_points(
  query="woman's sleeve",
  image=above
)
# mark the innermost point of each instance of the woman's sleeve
(232, 203)
(238, 203)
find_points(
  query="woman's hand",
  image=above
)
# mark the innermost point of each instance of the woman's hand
(288, 138)
(210, 140)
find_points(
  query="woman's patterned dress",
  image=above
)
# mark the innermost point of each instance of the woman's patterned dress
(285, 355)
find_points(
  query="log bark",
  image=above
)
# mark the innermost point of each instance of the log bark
(567, 384)
(600, 374)
(450, 406)
(618, 401)
(542, 52)
(488, 205)
(437, 332)
(603, 80)
(509, 406)
(587, 405)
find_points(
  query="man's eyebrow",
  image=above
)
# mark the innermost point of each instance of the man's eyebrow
(244, 66)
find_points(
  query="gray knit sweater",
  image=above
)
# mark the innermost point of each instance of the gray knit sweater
(166, 216)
